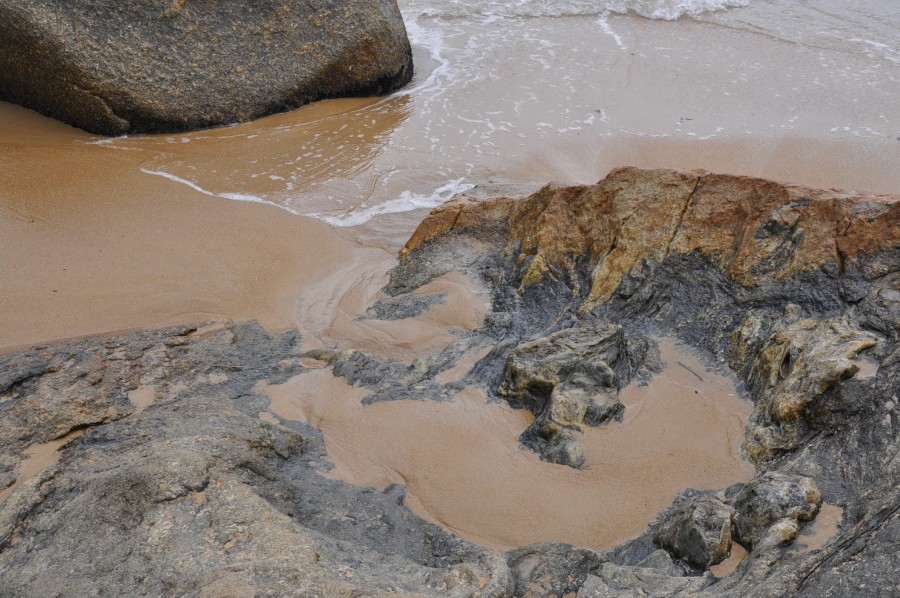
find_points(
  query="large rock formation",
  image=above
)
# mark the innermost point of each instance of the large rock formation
(796, 289)
(169, 482)
(129, 67)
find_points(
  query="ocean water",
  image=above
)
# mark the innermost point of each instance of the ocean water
(531, 90)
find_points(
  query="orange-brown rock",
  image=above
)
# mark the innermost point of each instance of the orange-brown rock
(754, 230)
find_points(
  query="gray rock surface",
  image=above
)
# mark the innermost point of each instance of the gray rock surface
(195, 494)
(567, 377)
(699, 531)
(570, 380)
(550, 569)
(774, 498)
(114, 67)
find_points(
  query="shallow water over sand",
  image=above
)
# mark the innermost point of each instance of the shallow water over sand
(464, 468)
(562, 90)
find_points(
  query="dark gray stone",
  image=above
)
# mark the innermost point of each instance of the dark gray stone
(698, 532)
(129, 67)
(550, 569)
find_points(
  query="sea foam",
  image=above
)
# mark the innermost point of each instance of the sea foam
(407, 201)
(651, 9)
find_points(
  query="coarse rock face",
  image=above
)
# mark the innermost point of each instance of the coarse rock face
(569, 381)
(114, 67)
(795, 367)
(753, 231)
(698, 532)
(190, 492)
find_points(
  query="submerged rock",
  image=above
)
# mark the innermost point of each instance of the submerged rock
(114, 68)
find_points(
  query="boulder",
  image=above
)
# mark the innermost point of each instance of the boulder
(550, 568)
(568, 381)
(698, 532)
(132, 67)
(567, 378)
(775, 500)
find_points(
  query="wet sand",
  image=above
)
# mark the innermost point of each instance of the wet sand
(729, 565)
(822, 529)
(90, 244)
(38, 458)
(333, 311)
(464, 468)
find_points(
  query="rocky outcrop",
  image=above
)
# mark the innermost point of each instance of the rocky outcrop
(755, 232)
(774, 500)
(114, 68)
(194, 493)
(794, 288)
(570, 380)
(795, 366)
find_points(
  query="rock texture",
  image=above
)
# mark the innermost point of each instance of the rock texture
(569, 381)
(131, 67)
(796, 289)
(774, 499)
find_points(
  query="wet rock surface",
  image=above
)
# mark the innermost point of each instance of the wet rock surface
(115, 68)
(794, 289)
(774, 499)
(570, 380)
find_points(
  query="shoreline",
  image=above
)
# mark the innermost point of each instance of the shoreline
(93, 245)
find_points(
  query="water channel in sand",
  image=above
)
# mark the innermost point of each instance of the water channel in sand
(464, 468)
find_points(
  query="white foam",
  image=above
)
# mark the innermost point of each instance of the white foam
(670, 10)
(603, 21)
(494, 9)
(407, 202)
(885, 50)
(199, 189)
(432, 40)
